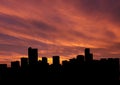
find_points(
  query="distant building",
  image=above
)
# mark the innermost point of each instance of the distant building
(15, 64)
(88, 55)
(72, 60)
(56, 60)
(65, 63)
(91, 57)
(24, 62)
(44, 60)
(32, 56)
(80, 58)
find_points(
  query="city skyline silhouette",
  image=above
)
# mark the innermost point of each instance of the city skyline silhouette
(59, 28)
(75, 70)
(67, 41)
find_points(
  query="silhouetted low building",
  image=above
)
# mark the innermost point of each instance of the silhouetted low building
(24, 62)
(15, 65)
(44, 60)
(80, 58)
(56, 60)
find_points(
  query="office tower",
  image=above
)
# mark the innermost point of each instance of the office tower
(87, 51)
(44, 60)
(56, 60)
(88, 55)
(15, 64)
(80, 58)
(91, 57)
(24, 62)
(32, 56)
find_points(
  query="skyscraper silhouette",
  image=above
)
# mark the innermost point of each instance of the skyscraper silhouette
(56, 60)
(24, 62)
(32, 56)
(44, 60)
(88, 55)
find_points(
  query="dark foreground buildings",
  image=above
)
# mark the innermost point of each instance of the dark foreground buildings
(78, 70)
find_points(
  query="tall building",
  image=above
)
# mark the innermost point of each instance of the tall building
(87, 51)
(32, 56)
(56, 60)
(24, 62)
(88, 55)
(44, 60)
(91, 57)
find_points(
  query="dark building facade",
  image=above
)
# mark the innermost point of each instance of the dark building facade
(88, 55)
(56, 60)
(44, 60)
(15, 64)
(24, 62)
(32, 56)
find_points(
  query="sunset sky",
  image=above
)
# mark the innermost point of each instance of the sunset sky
(59, 27)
